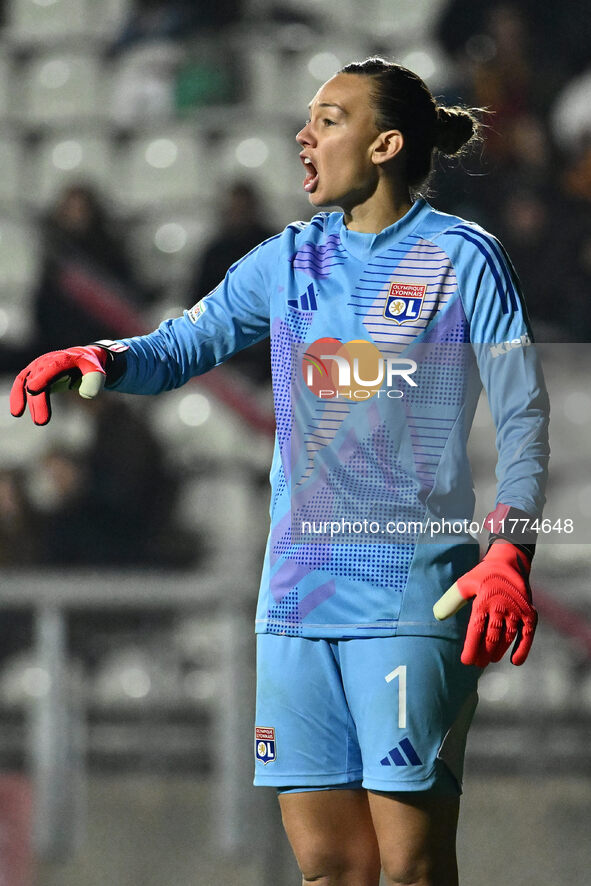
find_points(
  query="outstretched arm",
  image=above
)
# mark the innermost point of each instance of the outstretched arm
(233, 316)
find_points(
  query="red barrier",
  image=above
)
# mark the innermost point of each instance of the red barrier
(16, 813)
(568, 622)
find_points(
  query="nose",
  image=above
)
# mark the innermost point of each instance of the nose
(305, 136)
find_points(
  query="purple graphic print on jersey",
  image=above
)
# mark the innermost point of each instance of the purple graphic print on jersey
(317, 259)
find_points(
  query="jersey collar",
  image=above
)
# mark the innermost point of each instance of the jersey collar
(363, 246)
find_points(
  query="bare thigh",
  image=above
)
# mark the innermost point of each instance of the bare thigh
(416, 834)
(344, 837)
(332, 836)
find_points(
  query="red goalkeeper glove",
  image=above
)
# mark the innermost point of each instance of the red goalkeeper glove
(502, 611)
(82, 367)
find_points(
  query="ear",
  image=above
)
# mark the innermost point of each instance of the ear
(387, 145)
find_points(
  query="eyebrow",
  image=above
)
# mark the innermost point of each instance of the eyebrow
(328, 105)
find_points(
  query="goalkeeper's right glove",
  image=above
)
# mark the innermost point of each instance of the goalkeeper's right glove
(82, 367)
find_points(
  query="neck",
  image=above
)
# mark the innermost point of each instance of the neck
(385, 206)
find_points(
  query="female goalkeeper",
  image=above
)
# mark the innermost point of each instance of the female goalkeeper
(386, 319)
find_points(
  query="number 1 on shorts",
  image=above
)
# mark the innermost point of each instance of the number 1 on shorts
(400, 672)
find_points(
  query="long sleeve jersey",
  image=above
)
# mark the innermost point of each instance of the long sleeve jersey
(381, 344)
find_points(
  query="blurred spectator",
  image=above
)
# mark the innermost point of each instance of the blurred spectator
(133, 491)
(64, 521)
(577, 176)
(529, 150)
(242, 227)
(576, 186)
(112, 506)
(505, 74)
(542, 239)
(18, 538)
(559, 36)
(176, 19)
(88, 289)
(515, 63)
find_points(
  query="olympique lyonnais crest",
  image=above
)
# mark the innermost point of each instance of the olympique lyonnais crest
(404, 302)
(264, 744)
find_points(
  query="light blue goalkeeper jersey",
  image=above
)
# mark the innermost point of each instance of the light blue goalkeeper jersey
(380, 346)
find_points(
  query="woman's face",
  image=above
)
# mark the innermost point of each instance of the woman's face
(76, 211)
(338, 142)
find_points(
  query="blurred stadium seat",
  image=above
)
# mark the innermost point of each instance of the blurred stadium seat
(135, 675)
(16, 316)
(22, 679)
(345, 12)
(546, 684)
(221, 506)
(266, 157)
(105, 19)
(266, 87)
(196, 429)
(58, 88)
(186, 420)
(5, 83)
(167, 245)
(10, 180)
(21, 446)
(401, 21)
(42, 21)
(32, 23)
(59, 159)
(19, 256)
(169, 166)
(196, 639)
(308, 70)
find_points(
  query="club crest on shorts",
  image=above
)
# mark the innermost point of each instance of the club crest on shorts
(404, 302)
(264, 744)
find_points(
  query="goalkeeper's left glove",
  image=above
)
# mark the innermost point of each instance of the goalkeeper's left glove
(502, 611)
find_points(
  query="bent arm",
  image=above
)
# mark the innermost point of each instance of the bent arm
(510, 372)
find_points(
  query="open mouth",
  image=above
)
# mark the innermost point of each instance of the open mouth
(311, 179)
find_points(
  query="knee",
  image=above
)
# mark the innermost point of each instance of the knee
(326, 865)
(318, 864)
(405, 871)
(404, 874)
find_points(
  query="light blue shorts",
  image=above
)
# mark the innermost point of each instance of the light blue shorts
(385, 713)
